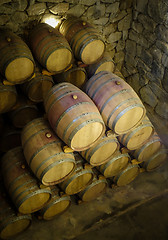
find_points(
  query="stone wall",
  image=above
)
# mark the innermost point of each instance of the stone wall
(146, 54)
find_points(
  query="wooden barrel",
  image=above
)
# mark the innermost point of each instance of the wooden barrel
(16, 63)
(50, 48)
(85, 41)
(10, 138)
(76, 75)
(11, 223)
(118, 73)
(38, 86)
(44, 154)
(150, 147)
(138, 136)
(115, 165)
(23, 112)
(21, 185)
(80, 178)
(104, 64)
(95, 189)
(57, 205)
(127, 175)
(119, 105)
(73, 116)
(156, 160)
(8, 97)
(101, 151)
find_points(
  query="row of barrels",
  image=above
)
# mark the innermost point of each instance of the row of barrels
(29, 195)
(82, 142)
(52, 48)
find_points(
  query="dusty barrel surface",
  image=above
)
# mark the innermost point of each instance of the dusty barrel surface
(44, 154)
(138, 136)
(11, 223)
(119, 105)
(23, 112)
(57, 204)
(101, 151)
(127, 175)
(21, 185)
(75, 75)
(38, 86)
(50, 48)
(156, 160)
(115, 165)
(84, 39)
(73, 116)
(104, 64)
(95, 189)
(16, 63)
(80, 178)
(8, 97)
(150, 147)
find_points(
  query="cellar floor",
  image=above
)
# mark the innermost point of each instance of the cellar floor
(135, 211)
(138, 210)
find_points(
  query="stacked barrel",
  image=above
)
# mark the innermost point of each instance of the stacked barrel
(69, 123)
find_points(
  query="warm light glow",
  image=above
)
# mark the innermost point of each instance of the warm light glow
(51, 20)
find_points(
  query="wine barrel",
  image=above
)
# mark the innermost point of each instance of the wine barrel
(10, 138)
(127, 175)
(57, 205)
(50, 48)
(11, 223)
(38, 86)
(44, 154)
(76, 75)
(23, 112)
(101, 151)
(85, 41)
(115, 165)
(73, 116)
(8, 97)
(95, 189)
(138, 136)
(119, 105)
(104, 64)
(80, 178)
(156, 160)
(150, 147)
(118, 73)
(16, 62)
(21, 185)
